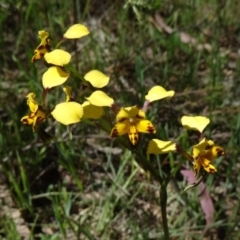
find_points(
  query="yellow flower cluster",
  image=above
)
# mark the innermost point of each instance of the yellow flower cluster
(71, 111)
(129, 120)
(202, 153)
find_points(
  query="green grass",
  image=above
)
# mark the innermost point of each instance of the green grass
(89, 187)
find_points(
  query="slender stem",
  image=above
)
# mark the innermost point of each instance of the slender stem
(115, 108)
(60, 42)
(145, 106)
(45, 91)
(163, 192)
(184, 153)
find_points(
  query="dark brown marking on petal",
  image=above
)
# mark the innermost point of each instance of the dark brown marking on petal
(151, 129)
(31, 115)
(48, 48)
(208, 147)
(40, 119)
(40, 47)
(212, 170)
(220, 152)
(121, 119)
(134, 138)
(114, 133)
(25, 122)
(139, 117)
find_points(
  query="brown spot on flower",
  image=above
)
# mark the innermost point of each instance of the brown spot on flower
(121, 119)
(151, 129)
(211, 170)
(114, 133)
(40, 47)
(25, 122)
(133, 138)
(208, 147)
(139, 116)
(220, 152)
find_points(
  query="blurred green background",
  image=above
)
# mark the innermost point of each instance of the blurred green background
(88, 187)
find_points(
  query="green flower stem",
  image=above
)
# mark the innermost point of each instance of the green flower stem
(143, 161)
(60, 42)
(184, 153)
(163, 192)
(45, 91)
(74, 71)
(81, 92)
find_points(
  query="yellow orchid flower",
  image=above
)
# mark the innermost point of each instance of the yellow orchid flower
(37, 113)
(131, 121)
(203, 153)
(43, 47)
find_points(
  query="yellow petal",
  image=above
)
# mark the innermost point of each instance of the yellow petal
(58, 57)
(100, 99)
(135, 112)
(197, 123)
(197, 167)
(43, 35)
(120, 129)
(26, 120)
(91, 112)
(122, 115)
(97, 78)
(130, 112)
(207, 166)
(156, 146)
(145, 126)
(133, 135)
(200, 147)
(157, 93)
(68, 112)
(44, 46)
(31, 96)
(40, 114)
(207, 149)
(213, 152)
(53, 77)
(31, 102)
(76, 31)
